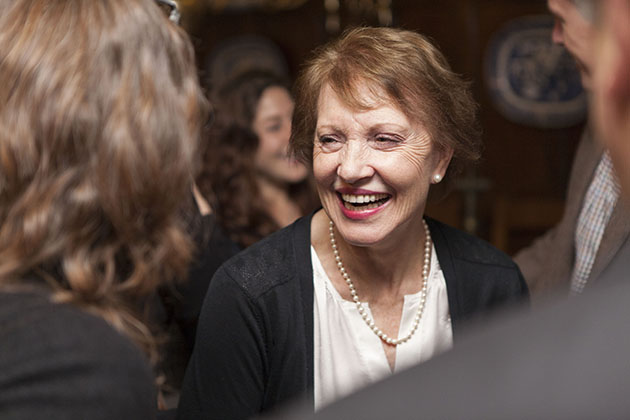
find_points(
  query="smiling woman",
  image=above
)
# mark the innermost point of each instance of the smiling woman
(367, 285)
(377, 152)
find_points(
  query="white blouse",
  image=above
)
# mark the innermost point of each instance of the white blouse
(348, 355)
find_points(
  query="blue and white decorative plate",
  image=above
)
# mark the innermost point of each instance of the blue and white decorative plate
(532, 81)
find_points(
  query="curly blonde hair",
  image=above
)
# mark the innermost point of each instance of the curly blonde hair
(100, 114)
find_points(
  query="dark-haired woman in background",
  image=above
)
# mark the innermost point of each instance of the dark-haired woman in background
(100, 115)
(252, 183)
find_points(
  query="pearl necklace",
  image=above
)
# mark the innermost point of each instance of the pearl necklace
(369, 321)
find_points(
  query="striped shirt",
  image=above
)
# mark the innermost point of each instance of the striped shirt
(599, 201)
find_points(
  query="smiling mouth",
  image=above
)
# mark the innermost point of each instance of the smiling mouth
(364, 201)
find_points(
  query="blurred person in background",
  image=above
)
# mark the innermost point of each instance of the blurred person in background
(252, 184)
(100, 117)
(595, 228)
(610, 105)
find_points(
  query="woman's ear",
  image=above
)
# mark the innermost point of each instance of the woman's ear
(444, 159)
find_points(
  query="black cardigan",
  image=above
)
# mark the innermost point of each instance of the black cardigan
(254, 347)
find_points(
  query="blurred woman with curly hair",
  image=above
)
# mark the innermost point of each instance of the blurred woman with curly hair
(254, 186)
(100, 114)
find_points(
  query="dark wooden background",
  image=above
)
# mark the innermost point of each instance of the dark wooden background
(527, 168)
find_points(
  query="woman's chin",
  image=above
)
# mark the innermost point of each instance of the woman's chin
(357, 232)
(360, 238)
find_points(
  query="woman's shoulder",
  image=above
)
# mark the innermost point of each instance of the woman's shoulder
(74, 358)
(484, 276)
(32, 312)
(273, 261)
(464, 246)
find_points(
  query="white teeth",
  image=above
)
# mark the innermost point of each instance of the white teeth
(360, 199)
(365, 207)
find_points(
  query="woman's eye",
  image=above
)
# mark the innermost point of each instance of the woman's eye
(274, 128)
(386, 141)
(329, 143)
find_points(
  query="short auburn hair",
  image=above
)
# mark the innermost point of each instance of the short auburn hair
(404, 66)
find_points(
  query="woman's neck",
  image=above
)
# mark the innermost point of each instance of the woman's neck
(276, 200)
(202, 203)
(394, 269)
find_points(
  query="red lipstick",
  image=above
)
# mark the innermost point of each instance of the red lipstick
(360, 214)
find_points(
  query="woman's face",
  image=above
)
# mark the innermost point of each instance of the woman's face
(272, 125)
(373, 169)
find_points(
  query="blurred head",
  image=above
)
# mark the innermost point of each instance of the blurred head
(380, 113)
(259, 104)
(272, 125)
(248, 143)
(100, 113)
(610, 105)
(574, 29)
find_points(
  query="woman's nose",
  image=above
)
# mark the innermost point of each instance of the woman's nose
(354, 163)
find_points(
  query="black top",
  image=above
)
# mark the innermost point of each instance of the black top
(213, 250)
(177, 310)
(254, 346)
(60, 363)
